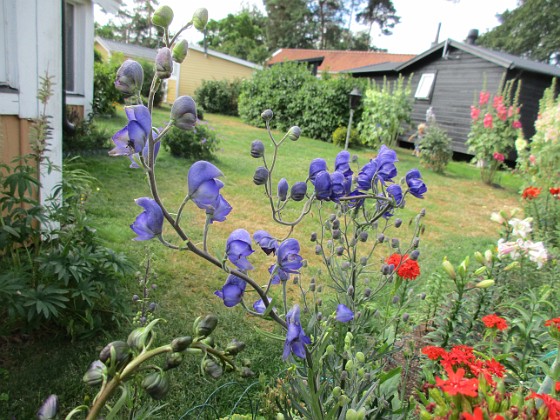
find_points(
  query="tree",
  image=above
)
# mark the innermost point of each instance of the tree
(328, 20)
(531, 31)
(242, 35)
(378, 12)
(289, 24)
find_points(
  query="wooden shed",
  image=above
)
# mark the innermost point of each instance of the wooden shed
(449, 76)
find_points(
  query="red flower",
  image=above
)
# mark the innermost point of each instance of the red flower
(498, 101)
(516, 124)
(502, 112)
(488, 122)
(553, 322)
(531, 192)
(433, 352)
(405, 267)
(557, 386)
(475, 112)
(459, 355)
(483, 98)
(555, 192)
(458, 384)
(494, 321)
(552, 405)
(476, 415)
(499, 157)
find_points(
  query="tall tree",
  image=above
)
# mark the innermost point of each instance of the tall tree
(532, 30)
(329, 20)
(242, 35)
(289, 24)
(378, 12)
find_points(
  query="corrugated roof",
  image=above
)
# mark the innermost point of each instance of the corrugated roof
(132, 50)
(335, 61)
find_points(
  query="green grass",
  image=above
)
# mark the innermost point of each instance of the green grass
(457, 223)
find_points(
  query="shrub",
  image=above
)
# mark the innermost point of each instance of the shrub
(339, 136)
(149, 71)
(105, 95)
(386, 108)
(86, 136)
(219, 96)
(200, 143)
(435, 148)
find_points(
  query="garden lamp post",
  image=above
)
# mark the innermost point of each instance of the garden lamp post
(355, 98)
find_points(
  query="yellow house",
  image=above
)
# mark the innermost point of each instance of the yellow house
(199, 65)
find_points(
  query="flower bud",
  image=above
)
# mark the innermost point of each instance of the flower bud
(135, 298)
(395, 243)
(257, 149)
(349, 365)
(387, 269)
(164, 63)
(423, 296)
(489, 256)
(200, 19)
(130, 77)
(318, 249)
(183, 113)
(283, 189)
(152, 307)
(350, 291)
(352, 414)
(339, 250)
(363, 237)
(414, 255)
(173, 360)
(246, 372)
(267, 115)
(367, 292)
(261, 175)
(95, 373)
(298, 191)
(163, 16)
(156, 385)
(48, 408)
(203, 326)
(484, 284)
(209, 341)
(121, 350)
(313, 237)
(405, 317)
(336, 234)
(449, 269)
(212, 369)
(180, 51)
(360, 357)
(235, 347)
(294, 133)
(138, 338)
(398, 223)
(395, 299)
(380, 238)
(319, 316)
(312, 287)
(336, 224)
(363, 261)
(337, 391)
(479, 257)
(181, 343)
(415, 242)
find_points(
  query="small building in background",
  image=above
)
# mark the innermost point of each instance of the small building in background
(199, 65)
(449, 76)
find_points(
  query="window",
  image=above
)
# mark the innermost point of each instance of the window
(425, 86)
(74, 46)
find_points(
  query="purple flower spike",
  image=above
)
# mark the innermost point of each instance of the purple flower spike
(366, 175)
(295, 337)
(283, 189)
(395, 191)
(342, 163)
(259, 307)
(416, 186)
(238, 248)
(343, 313)
(149, 223)
(267, 243)
(316, 166)
(145, 151)
(339, 186)
(386, 169)
(132, 138)
(232, 291)
(288, 258)
(204, 185)
(323, 186)
(48, 408)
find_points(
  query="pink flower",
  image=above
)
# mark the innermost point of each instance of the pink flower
(502, 112)
(532, 159)
(484, 97)
(499, 157)
(516, 124)
(498, 101)
(475, 112)
(488, 121)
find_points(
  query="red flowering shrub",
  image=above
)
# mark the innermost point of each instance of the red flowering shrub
(494, 321)
(404, 266)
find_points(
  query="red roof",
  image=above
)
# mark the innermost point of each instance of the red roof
(336, 61)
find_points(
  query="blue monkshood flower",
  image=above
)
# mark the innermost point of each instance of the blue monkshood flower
(183, 113)
(395, 191)
(416, 186)
(164, 63)
(133, 158)
(204, 189)
(48, 408)
(323, 186)
(219, 213)
(130, 77)
(343, 313)
(342, 163)
(232, 291)
(238, 248)
(133, 137)
(149, 223)
(259, 307)
(267, 243)
(298, 191)
(278, 275)
(295, 337)
(317, 165)
(386, 169)
(355, 203)
(339, 186)
(283, 189)
(287, 256)
(366, 175)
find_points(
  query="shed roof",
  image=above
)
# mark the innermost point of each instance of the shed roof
(110, 6)
(133, 50)
(336, 61)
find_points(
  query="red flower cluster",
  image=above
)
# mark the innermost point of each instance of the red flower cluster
(458, 384)
(488, 121)
(499, 157)
(557, 386)
(531, 192)
(553, 322)
(405, 267)
(516, 124)
(433, 352)
(483, 98)
(494, 321)
(555, 192)
(552, 404)
(478, 414)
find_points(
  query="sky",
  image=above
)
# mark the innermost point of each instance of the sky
(413, 35)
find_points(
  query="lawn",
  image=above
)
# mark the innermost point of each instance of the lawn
(457, 223)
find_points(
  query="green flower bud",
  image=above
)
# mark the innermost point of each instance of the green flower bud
(337, 391)
(294, 133)
(163, 16)
(479, 258)
(484, 284)
(173, 360)
(212, 369)
(138, 338)
(349, 365)
(156, 385)
(203, 326)
(235, 347)
(209, 341)
(352, 414)
(180, 51)
(448, 267)
(95, 374)
(330, 350)
(181, 343)
(360, 357)
(200, 18)
(121, 349)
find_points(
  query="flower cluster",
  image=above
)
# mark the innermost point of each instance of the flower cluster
(494, 321)
(404, 266)
(531, 192)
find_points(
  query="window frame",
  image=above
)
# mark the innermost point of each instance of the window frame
(425, 87)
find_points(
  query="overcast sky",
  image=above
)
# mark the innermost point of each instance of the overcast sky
(413, 35)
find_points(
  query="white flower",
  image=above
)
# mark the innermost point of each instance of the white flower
(537, 252)
(521, 227)
(497, 217)
(509, 248)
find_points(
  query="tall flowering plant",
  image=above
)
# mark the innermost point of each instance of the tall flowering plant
(495, 126)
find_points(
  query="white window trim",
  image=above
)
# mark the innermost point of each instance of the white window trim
(9, 75)
(425, 86)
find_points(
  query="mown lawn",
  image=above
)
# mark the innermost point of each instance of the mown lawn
(457, 223)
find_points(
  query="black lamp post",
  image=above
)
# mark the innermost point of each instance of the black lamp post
(355, 98)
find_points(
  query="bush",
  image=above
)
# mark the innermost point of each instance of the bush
(200, 143)
(435, 148)
(339, 137)
(219, 96)
(149, 71)
(86, 136)
(105, 95)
